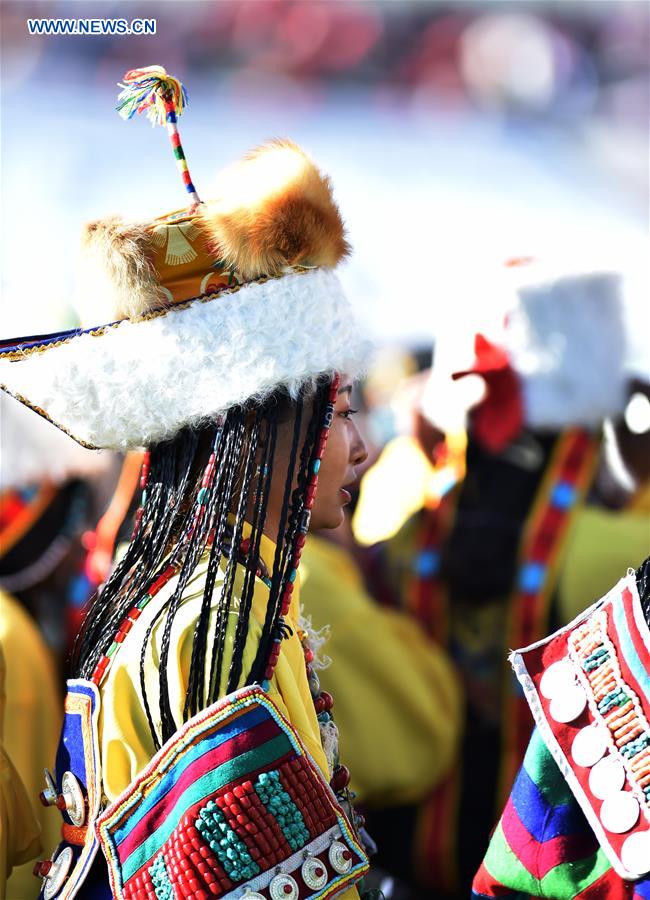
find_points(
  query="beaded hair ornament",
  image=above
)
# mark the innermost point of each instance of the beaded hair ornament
(234, 484)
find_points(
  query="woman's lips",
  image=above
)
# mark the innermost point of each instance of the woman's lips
(347, 496)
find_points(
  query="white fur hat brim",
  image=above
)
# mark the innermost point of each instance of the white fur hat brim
(133, 383)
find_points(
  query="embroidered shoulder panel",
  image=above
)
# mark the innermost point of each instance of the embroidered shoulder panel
(588, 687)
(231, 806)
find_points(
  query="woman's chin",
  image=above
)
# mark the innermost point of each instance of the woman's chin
(331, 517)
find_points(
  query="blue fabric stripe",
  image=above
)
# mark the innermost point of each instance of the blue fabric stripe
(242, 723)
(539, 817)
(642, 889)
(10, 345)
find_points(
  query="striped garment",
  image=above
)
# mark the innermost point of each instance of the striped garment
(232, 800)
(577, 822)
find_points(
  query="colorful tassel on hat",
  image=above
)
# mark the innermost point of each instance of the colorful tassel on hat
(163, 98)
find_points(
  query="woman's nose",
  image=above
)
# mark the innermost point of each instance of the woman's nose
(359, 453)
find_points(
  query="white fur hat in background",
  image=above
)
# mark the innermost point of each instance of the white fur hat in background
(565, 336)
(563, 331)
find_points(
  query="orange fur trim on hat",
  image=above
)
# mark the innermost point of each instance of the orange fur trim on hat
(119, 253)
(275, 209)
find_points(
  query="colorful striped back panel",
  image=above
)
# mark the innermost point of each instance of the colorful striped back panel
(577, 823)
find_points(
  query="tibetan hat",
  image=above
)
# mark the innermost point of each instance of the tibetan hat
(556, 360)
(211, 306)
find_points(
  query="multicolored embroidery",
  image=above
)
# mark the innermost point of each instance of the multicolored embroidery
(613, 703)
(588, 690)
(232, 800)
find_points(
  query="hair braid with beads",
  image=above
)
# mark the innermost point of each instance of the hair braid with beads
(191, 508)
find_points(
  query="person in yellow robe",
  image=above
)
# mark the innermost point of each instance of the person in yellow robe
(399, 705)
(32, 718)
(20, 837)
(194, 698)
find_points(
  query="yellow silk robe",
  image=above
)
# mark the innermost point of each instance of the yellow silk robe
(398, 706)
(124, 734)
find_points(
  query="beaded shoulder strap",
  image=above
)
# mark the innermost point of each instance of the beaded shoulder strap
(588, 687)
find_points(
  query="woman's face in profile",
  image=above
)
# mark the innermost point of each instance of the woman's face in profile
(345, 449)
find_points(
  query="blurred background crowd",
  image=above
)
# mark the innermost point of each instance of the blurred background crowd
(459, 136)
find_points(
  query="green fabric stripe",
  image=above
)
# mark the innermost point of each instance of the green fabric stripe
(504, 865)
(570, 878)
(212, 781)
(561, 883)
(178, 153)
(537, 761)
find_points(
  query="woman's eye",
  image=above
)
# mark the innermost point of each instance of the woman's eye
(348, 413)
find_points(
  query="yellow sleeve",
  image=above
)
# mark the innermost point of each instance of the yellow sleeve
(20, 833)
(32, 723)
(124, 732)
(622, 539)
(397, 701)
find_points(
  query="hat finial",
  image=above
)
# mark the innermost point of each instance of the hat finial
(164, 99)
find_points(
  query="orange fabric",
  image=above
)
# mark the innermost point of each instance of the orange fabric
(185, 264)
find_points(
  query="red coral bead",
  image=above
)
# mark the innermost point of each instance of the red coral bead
(340, 778)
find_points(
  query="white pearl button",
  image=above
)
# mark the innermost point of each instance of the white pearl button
(567, 706)
(635, 853)
(589, 746)
(619, 812)
(557, 678)
(607, 777)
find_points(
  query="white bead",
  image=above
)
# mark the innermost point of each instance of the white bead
(557, 678)
(567, 706)
(607, 777)
(619, 812)
(337, 860)
(314, 873)
(589, 746)
(635, 853)
(277, 888)
(57, 875)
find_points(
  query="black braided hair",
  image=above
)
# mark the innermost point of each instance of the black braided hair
(244, 444)
(643, 587)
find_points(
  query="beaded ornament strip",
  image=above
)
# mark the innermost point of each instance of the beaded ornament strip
(613, 703)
